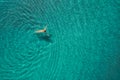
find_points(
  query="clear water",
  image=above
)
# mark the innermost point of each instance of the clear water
(83, 44)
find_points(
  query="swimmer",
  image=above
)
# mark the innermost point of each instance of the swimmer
(42, 30)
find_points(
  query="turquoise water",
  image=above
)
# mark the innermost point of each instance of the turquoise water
(83, 44)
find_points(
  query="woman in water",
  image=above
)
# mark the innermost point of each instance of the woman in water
(41, 31)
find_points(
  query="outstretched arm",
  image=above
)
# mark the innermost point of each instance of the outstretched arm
(45, 28)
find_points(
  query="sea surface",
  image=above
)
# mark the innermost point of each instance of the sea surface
(82, 40)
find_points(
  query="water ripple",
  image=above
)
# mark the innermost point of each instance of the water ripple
(24, 51)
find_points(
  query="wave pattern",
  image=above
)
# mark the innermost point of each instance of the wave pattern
(80, 46)
(23, 51)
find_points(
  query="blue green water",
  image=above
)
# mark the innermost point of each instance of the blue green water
(84, 40)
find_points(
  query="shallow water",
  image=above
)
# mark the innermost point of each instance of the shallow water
(83, 44)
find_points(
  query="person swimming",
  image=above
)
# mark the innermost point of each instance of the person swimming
(42, 30)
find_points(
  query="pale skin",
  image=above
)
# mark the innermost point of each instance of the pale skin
(41, 31)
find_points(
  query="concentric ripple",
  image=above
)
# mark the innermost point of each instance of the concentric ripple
(23, 51)
(83, 42)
